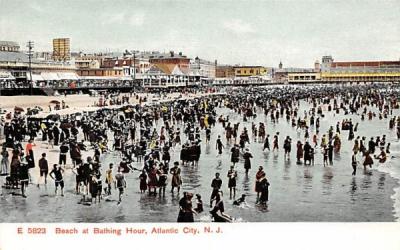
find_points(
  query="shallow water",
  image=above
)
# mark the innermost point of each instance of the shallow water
(297, 192)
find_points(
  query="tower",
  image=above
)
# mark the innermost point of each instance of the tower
(61, 49)
(326, 63)
(317, 66)
(327, 59)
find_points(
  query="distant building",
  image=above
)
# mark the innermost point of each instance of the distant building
(61, 49)
(224, 71)
(304, 77)
(317, 66)
(280, 76)
(16, 65)
(295, 75)
(117, 62)
(130, 66)
(43, 56)
(144, 65)
(203, 69)
(100, 73)
(361, 71)
(247, 71)
(163, 77)
(301, 75)
(9, 46)
(168, 62)
(142, 61)
(87, 61)
(87, 64)
(326, 62)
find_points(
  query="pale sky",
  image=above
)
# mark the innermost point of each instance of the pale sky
(298, 32)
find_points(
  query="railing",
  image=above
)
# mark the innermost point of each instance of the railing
(119, 84)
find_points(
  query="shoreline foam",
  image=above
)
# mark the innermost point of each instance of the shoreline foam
(390, 168)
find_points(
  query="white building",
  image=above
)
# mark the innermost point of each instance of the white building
(157, 77)
(9, 46)
(203, 69)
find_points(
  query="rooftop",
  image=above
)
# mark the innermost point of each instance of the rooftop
(20, 57)
(366, 64)
(248, 66)
(6, 56)
(295, 70)
(169, 55)
(202, 61)
(9, 43)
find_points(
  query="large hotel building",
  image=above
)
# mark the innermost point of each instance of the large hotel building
(330, 71)
(61, 49)
(367, 71)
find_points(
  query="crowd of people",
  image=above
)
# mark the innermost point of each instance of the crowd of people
(78, 83)
(147, 134)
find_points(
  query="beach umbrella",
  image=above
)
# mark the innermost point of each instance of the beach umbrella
(54, 102)
(18, 109)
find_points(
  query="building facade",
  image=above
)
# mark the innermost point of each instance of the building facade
(128, 65)
(100, 73)
(295, 75)
(246, 71)
(361, 71)
(61, 49)
(203, 68)
(168, 62)
(88, 61)
(16, 66)
(43, 56)
(87, 64)
(304, 77)
(224, 71)
(157, 77)
(9, 46)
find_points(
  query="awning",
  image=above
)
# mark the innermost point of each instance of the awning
(50, 76)
(99, 78)
(68, 76)
(35, 77)
(126, 78)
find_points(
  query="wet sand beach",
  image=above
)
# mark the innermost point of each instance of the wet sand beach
(297, 192)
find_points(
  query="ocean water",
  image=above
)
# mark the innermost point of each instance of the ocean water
(392, 168)
(297, 192)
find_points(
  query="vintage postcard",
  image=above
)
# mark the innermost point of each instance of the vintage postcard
(147, 121)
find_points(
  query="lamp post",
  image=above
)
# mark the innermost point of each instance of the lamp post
(134, 65)
(30, 46)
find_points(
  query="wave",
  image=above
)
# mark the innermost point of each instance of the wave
(392, 168)
(208, 218)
